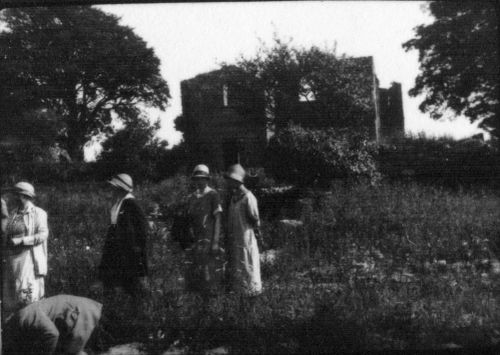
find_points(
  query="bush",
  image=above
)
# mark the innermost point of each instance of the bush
(445, 161)
(308, 157)
(46, 172)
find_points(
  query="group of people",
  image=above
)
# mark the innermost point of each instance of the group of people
(63, 322)
(207, 222)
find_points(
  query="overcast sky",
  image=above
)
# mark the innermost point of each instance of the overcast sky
(193, 38)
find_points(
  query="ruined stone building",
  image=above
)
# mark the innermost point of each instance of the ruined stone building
(224, 115)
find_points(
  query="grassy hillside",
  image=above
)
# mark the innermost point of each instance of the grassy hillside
(390, 266)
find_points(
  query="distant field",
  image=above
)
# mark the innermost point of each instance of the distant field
(387, 267)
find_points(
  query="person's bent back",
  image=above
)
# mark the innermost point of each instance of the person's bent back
(62, 323)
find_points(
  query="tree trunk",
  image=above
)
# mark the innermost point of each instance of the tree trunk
(75, 149)
(76, 132)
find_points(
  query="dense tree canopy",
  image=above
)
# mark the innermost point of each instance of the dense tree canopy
(80, 63)
(134, 148)
(288, 74)
(458, 55)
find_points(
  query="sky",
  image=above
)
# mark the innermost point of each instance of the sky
(192, 38)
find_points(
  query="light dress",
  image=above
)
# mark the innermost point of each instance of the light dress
(21, 285)
(204, 269)
(243, 217)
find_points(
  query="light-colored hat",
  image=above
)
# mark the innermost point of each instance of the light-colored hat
(25, 188)
(236, 172)
(201, 171)
(123, 181)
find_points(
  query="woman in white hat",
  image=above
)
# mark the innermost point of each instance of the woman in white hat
(242, 222)
(26, 251)
(124, 262)
(204, 212)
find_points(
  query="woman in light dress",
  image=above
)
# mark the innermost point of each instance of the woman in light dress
(204, 271)
(5, 216)
(26, 251)
(242, 224)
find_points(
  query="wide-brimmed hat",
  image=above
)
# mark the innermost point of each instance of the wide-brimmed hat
(235, 172)
(24, 188)
(200, 171)
(122, 181)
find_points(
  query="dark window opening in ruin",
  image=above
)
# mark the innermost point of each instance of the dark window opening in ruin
(231, 152)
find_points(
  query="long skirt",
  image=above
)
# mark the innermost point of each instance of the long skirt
(20, 284)
(245, 265)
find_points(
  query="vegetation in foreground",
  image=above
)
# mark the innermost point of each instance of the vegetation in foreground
(373, 267)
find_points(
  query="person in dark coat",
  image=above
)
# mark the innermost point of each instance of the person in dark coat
(124, 261)
(60, 324)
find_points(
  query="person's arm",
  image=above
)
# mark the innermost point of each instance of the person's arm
(253, 211)
(136, 230)
(217, 229)
(41, 229)
(217, 212)
(47, 330)
(141, 228)
(5, 216)
(253, 216)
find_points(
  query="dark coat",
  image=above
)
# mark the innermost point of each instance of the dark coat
(124, 253)
(62, 323)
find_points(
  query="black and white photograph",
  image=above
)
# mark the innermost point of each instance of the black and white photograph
(245, 177)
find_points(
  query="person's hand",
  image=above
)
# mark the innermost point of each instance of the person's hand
(16, 241)
(260, 240)
(215, 247)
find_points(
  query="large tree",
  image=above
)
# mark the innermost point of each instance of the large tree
(80, 63)
(458, 55)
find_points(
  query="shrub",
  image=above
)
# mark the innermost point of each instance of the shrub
(308, 157)
(446, 161)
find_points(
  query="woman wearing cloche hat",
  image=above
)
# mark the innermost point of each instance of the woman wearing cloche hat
(242, 223)
(124, 263)
(203, 273)
(26, 252)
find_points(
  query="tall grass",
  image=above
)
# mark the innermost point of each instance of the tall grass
(373, 267)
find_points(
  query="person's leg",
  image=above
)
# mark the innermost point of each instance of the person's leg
(252, 301)
(136, 288)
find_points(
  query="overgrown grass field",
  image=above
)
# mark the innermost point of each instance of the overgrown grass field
(393, 266)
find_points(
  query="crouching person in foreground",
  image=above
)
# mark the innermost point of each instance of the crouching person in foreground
(60, 324)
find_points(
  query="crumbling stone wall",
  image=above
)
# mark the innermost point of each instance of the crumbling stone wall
(225, 119)
(391, 112)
